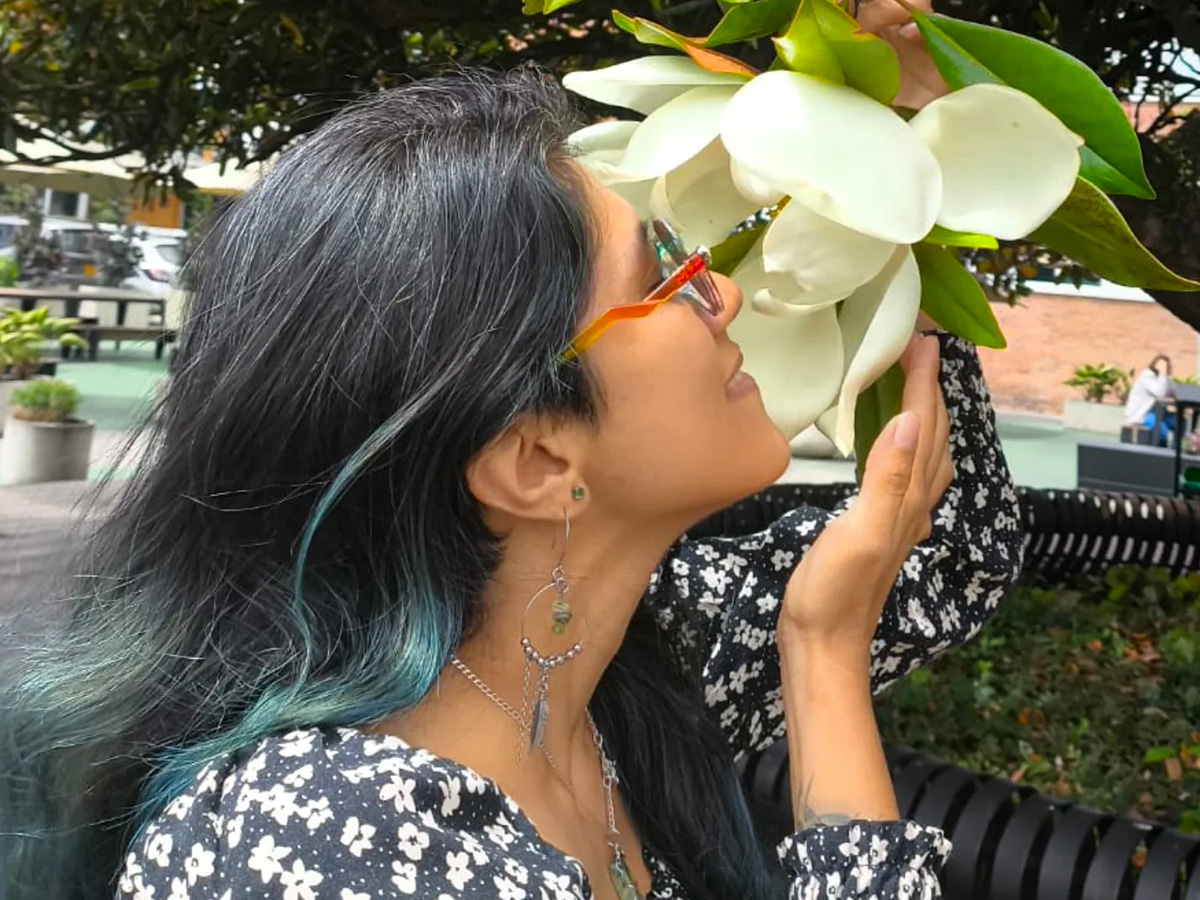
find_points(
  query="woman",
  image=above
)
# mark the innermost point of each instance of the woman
(373, 619)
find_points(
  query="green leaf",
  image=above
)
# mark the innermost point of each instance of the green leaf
(1158, 754)
(1091, 230)
(139, 84)
(750, 20)
(949, 238)
(966, 53)
(953, 298)
(824, 41)
(532, 7)
(869, 62)
(648, 32)
(876, 406)
(802, 48)
(728, 255)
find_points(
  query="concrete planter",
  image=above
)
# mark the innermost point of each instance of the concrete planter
(1104, 418)
(33, 452)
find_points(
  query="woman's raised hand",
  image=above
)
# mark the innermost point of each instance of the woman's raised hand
(920, 81)
(836, 595)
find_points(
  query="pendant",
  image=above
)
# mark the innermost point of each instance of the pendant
(622, 879)
(541, 712)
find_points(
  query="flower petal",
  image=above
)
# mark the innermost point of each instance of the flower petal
(838, 151)
(600, 148)
(676, 131)
(646, 83)
(773, 292)
(796, 360)
(822, 255)
(700, 199)
(1007, 162)
(753, 188)
(876, 323)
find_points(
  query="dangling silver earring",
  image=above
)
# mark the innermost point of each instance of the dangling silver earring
(537, 705)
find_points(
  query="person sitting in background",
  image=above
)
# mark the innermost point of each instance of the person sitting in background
(1150, 390)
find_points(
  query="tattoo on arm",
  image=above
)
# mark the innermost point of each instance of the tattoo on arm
(806, 817)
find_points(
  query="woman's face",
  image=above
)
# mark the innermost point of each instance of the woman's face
(682, 430)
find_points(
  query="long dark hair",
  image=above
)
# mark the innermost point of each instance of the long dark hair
(299, 547)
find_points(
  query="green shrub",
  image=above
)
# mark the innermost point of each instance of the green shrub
(23, 333)
(9, 272)
(45, 400)
(1099, 381)
(1091, 692)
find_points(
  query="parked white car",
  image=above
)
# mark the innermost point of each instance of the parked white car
(158, 270)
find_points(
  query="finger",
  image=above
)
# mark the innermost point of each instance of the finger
(940, 447)
(921, 364)
(888, 474)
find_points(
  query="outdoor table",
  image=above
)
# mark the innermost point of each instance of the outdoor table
(30, 297)
(1187, 400)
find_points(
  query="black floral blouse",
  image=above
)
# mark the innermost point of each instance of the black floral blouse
(339, 814)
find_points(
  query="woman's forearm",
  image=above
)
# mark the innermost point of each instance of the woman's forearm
(836, 763)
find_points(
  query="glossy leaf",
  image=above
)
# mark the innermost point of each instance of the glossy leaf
(648, 32)
(948, 238)
(967, 53)
(532, 7)
(953, 298)
(728, 255)
(1091, 230)
(824, 41)
(876, 406)
(803, 48)
(868, 62)
(750, 20)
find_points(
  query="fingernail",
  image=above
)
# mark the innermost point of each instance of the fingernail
(907, 430)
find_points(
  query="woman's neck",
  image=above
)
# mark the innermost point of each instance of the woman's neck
(606, 573)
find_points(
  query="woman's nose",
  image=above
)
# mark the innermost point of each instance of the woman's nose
(731, 295)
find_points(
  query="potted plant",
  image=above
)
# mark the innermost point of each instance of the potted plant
(43, 440)
(22, 335)
(1105, 390)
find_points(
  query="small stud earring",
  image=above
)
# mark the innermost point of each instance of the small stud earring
(577, 492)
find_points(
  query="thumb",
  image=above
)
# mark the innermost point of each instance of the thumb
(889, 468)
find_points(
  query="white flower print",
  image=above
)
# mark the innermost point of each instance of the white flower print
(315, 813)
(131, 871)
(158, 849)
(516, 871)
(879, 848)
(399, 791)
(499, 835)
(298, 883)
(357, 836)
(141, 890)
(181, 806)
(783, 559)
(457, 872)
(233, 830)
(297, 743)
(208, 780)
(405, 878)
(299, 777)
(179, 890)
(278, 803)
(450, 789)
(507, 890)
(411, 841)
(253, 768)
(474, 783)
(265, 858)
(199, 864)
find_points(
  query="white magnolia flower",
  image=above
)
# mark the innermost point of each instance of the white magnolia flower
(832, 290)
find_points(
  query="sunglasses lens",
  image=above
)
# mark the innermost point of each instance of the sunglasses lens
(702, 289)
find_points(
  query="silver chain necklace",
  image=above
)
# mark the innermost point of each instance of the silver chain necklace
(618, 868)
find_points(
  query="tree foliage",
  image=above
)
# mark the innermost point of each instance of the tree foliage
(168, 77)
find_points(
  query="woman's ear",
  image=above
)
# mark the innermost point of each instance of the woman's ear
(531, 470)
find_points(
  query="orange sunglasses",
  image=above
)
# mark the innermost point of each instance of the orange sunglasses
(685, 275)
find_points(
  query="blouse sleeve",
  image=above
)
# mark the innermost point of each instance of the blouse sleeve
(718, 599)
(879, 860)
